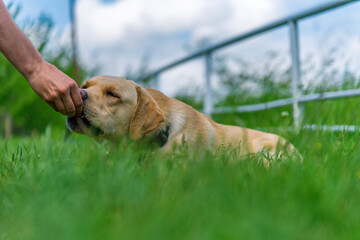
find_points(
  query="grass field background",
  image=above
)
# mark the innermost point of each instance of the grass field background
(81, 189)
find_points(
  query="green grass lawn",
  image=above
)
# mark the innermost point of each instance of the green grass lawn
(80, 189)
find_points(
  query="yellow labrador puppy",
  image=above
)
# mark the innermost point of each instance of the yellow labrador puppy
(115, 107)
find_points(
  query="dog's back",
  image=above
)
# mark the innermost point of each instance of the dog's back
(198, 130)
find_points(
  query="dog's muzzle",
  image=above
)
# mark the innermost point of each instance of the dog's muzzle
(83, 125)
(77, 124)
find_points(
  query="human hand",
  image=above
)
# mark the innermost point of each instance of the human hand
(56, 88)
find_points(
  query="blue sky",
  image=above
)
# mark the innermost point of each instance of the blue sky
(115, 34)
(58, 9)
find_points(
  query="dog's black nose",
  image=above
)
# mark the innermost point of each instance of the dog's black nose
(84, 94)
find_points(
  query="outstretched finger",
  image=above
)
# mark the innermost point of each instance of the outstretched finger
(77, 100)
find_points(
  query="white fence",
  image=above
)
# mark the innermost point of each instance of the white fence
(297, 97)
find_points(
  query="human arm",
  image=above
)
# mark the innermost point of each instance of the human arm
(52, 85)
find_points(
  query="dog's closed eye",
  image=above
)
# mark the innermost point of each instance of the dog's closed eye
(112, 94)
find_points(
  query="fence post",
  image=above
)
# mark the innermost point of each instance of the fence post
(74, 46)
(295, 74)
(157, 81)
(208, 98)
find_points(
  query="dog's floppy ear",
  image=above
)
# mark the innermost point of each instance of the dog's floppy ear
(147, 115)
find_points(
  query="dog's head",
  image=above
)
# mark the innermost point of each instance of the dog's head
(115, 107)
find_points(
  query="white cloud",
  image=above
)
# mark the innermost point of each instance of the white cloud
(116, 32)
(115, 35)
(130, 20)
(240, 16)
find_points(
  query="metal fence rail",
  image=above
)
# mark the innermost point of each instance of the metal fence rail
(289, 101)
(296, 99)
